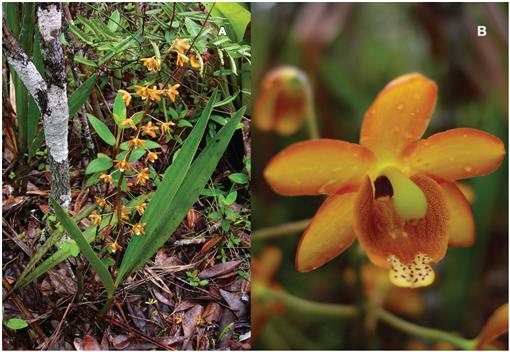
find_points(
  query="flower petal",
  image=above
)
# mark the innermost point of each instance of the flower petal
(408, 247)
(461, 226)
(455, 154)
(495, 327)
(321, 166)
(399, 115)
(329, 234)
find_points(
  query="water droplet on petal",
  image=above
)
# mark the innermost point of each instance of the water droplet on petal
(468, 168)
(400, 106)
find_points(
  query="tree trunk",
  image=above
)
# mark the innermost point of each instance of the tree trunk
(50, 94)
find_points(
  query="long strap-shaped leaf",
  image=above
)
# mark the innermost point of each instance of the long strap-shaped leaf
(80, 95)
(97, 264)
(197, 177)
(53, 239)
(172, 180)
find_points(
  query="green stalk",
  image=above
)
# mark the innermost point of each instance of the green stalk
(421, 331)
(280, 230)
(349, 311)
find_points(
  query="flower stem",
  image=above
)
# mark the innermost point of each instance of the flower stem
(349, 311)
(417, 330)
(308, 307)
(280, 230)
(313, 127)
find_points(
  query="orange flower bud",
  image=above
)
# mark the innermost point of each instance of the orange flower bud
(284, 101)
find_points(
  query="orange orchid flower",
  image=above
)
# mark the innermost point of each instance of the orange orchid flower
(147, 93)
(264, 269)
(165, 126)
(123, 165)
(182, 59)
(140, 209)
(172, 92)
(181, 45)
(114, 246)
(149, 130)
(107, 178)
(143, 176)
(136, 142)
(125, 213)
(285, 100)
(194, 61)
(394, 191)
(151, 157)
(101, 202)
(96, 218)
(151, 63)
(138, 229)
(129, 122)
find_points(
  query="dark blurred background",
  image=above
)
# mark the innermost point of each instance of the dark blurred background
(350, 52)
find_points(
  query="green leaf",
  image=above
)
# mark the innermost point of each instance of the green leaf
(82, 35)
(135, 155)
(25, 276)
(226, 330)
(101, 269)
(114, 20)
(101, 163)
(227, 100)
(163, 197)
(236, 14)
(80, 95)
(126, 43)
(16, 324)
(192, 27)
(219, 119)
(101, 129)
(157, 54)
(231, 198)
(184, 123)
(239, 178)
(85, 61)
(169, 215)
(119, 110)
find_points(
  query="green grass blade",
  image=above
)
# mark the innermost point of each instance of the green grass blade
(80, 95)
(126, 43)
(172, 179)
(56, 258)
(63, 252)
(69, 225)
(53, 239)
(196, 179)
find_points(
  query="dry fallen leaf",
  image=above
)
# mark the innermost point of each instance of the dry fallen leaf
(234, 302)
(212, 312)
(189, 323)
(219, 269)
(90, 344)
